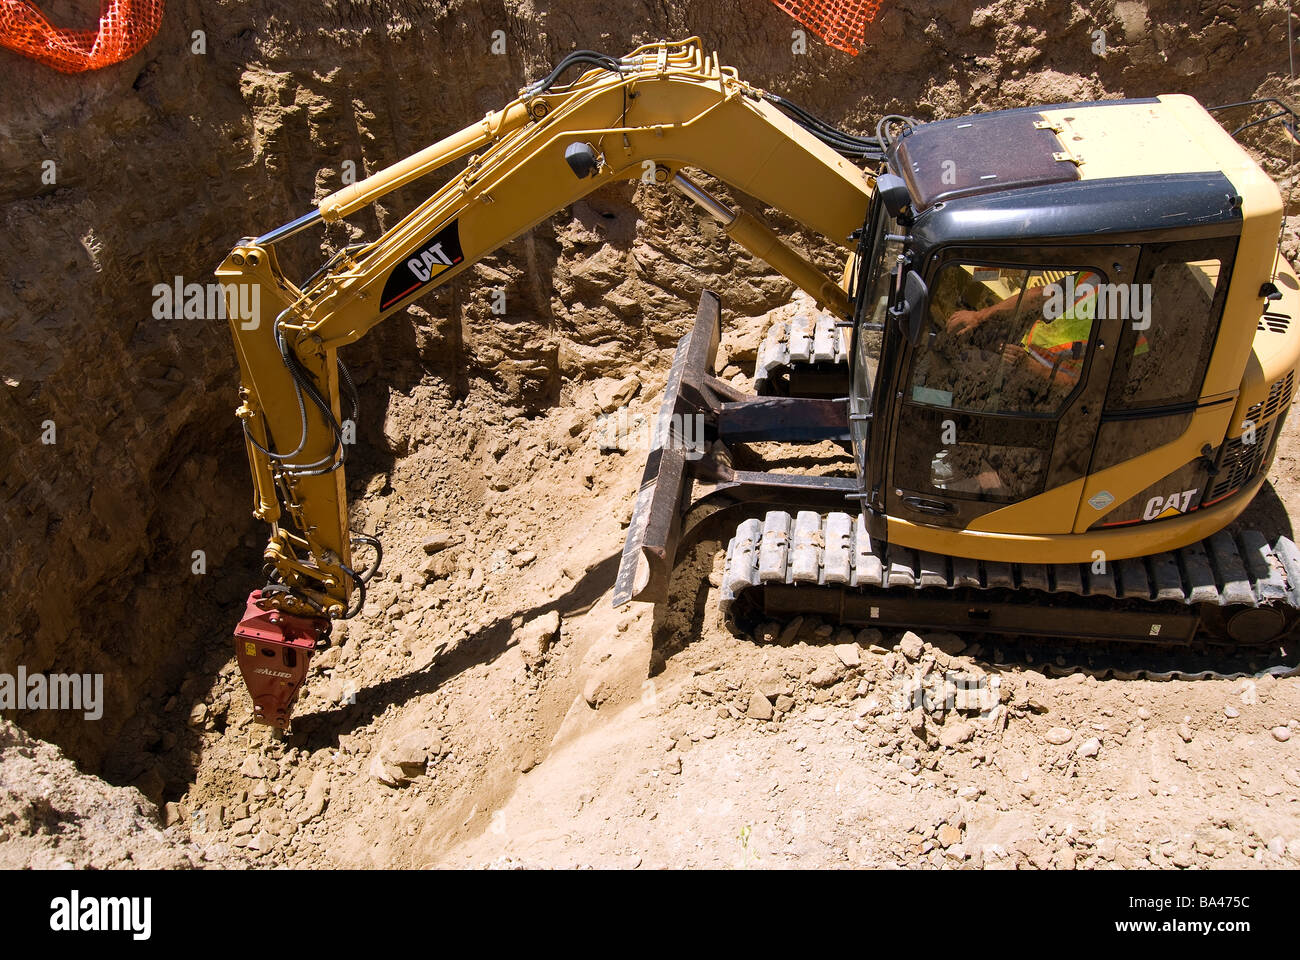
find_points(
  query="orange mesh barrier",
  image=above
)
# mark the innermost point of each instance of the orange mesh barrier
(841, 23)
(124, 27)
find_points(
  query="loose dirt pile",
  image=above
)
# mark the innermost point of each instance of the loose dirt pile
(489, 707)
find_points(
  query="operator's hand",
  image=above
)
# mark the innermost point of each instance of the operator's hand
(963, 321)
(1013, 354)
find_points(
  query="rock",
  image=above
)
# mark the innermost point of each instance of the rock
(1059, 735)
(388, 774)
(1107, 848)
(1277, 846)
(1185, 733)
(1144, 713)
(410, 752)
(948, 835)
(1089, 748)
(1281, 734)
(916, 722)
(910, 646)
(759, 707)
(439, 565)
(595, 691)
(535, 638)
(955, 733)
(1065, 859)
(791, 628)
(441, 540)
(825, 675)
(784, 704)
(198, 714)
(949, 643)
(849, 654)
(869, 708)
(256, 767)
(1231, 712)
(869, 637)
(774, 683)
(527, 759)
(313, 804)
(612, 394)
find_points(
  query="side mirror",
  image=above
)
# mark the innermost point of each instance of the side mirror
(893, 193)
(910, 312)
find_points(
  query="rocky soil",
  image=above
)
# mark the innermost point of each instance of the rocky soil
(489, 707)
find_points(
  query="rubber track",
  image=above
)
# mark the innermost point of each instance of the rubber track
(835, 550)
(806, 339)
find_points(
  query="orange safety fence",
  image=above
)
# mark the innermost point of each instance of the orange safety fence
(841, 23)
(124, 27)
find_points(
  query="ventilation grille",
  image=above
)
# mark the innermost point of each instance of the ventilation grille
(1240, 462)
(1279, 395)
(1274, 323)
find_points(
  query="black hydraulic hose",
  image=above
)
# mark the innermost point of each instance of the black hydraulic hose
(843, 142)
(302, 411)
(361, 592)
(302, 383)
(353, 397)
(350, 248)
(882, 127)
(368, 574)
(588, 57)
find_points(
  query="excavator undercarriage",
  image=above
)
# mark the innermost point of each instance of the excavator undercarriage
(798, 545)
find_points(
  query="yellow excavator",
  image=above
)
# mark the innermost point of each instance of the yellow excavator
(1059, 357)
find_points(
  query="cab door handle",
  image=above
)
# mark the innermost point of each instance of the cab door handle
(940, 508)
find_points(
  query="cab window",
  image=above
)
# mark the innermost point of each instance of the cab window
(1165, 350)
(1006, 340)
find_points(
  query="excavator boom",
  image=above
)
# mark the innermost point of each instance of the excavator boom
(646, 116)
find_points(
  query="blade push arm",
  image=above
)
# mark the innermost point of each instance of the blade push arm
(664, 107)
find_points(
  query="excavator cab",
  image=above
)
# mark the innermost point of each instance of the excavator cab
(1072, 387)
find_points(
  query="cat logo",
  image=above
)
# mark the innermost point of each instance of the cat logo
(431, 258)
(1158, 508)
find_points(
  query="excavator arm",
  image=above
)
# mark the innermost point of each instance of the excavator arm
(646, 116)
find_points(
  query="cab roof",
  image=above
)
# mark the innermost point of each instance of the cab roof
(1028, 147)
(1138, 168)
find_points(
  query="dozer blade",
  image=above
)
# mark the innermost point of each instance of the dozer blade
(678, 440)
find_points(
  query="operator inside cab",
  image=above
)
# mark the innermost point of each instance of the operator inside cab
(1005, 341)
(1059, 314)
